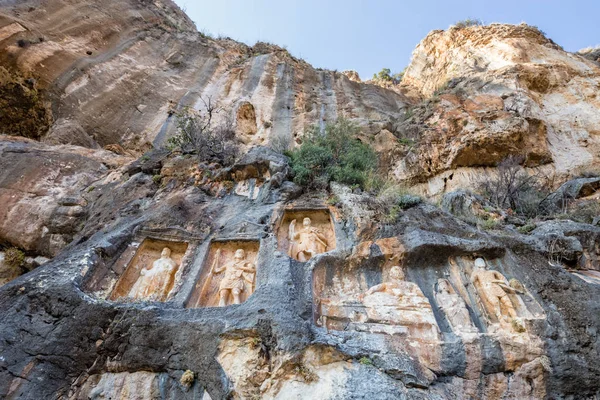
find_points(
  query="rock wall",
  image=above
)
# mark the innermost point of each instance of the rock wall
(494, 91)
(126, 68)
(346, 305)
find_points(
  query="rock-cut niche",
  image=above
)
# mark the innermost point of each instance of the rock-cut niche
(228, 275)
(304, 233)
(246, 119)
(146, 271)
(371, 298)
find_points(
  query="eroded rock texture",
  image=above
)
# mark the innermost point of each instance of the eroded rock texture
(495, 91)
(424, 306)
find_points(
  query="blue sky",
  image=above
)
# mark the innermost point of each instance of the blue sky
(367, 36)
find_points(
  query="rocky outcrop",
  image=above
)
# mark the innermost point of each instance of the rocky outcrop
(263, 289)
(126, 69)
(495, 91)
(43, 191)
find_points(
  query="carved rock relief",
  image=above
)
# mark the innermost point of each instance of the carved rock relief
(228, 274)
(502, 308)
(114, 279)
(454, 308)
(302, 234)
(374, 297)
(152, 272)
(394, 306)
(502, 303)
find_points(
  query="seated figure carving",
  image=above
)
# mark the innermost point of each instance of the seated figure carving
(493, 289)
(454, 308)
(307, 242)
(238, 274)
(155, 282)
(397, 286)
(399, 303)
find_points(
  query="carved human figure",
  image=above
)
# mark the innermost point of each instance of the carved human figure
(154, 282)
(396, 285)
(401, 303)
(238, 273)
(493, 288)
(307, 242)
(454, 307)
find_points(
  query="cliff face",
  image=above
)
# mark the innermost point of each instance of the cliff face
(120, 71)
(494, 91)
(139, 261)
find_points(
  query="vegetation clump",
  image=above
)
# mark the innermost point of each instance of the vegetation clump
(465, 23)
(198, 134)
(514, 189)
(187, 379)
(24, 112)
(390, 198)
(528, 196)
(14, 258)
(385, 75)
(365, 361)
(334, 155)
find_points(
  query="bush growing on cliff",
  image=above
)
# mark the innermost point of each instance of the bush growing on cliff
(14, 257)
(333, 155)
(386, 75)
(465, 23)
(197, 134)
(514, 189)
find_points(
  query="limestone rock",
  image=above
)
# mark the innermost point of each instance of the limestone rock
(364, 316)
(68, 132)
(492, 91)
(148, 63)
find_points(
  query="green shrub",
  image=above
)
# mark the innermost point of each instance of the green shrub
(386, 75)
(406, 141)
(365, 361)
(334, 155)
(407, 201)
(468, 22)
(489, 223)
(14, 257)
(334, 200)
(392, 199)
(525, 229)
(383, 75)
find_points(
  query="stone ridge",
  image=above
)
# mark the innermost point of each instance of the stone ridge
(132, 271)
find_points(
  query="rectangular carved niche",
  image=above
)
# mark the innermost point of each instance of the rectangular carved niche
(372, 297)
(228, 276)
(152, 272)
(317, 238)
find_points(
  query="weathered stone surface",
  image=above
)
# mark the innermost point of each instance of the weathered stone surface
(120, 74)
(147, 62)
(64, 131)
(36, 183)
(569, 191)
(494, 91)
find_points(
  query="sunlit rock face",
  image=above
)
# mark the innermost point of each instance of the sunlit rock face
(122, 78)
(492, 91)
(162, 277)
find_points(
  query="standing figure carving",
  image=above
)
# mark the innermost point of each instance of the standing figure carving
(238, 274)
(493, 289)
(454, 307)
(307, 242)
(155, 282)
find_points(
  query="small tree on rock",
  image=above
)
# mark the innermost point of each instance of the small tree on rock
(198, 134)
